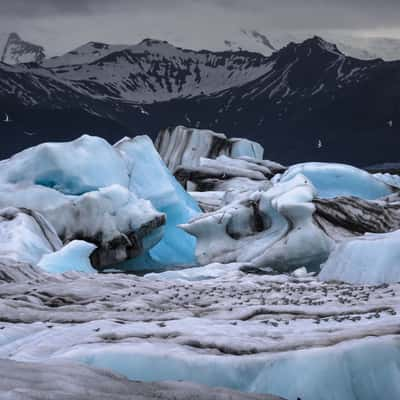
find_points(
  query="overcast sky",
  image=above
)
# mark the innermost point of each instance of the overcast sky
(63, 24)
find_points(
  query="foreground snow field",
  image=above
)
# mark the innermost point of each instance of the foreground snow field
(257, 277)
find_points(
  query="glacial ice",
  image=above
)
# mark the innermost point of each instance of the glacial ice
(231, 322)
(75, 256)
(106, 199)
(183, 146)
(151, 180)
(332, 180)
(370, 259)
(341, 372)
(116, 220)
(66, 380)
(389, 179)
(273, 229)
(25, 236)
(76, 167)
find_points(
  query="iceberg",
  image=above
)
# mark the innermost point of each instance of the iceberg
(83, 165)
(106, 195)
(269, 229)
(332, 180)
(121, 225)
(185, 147)
(150, 179)
(75, 256)
(371, 259)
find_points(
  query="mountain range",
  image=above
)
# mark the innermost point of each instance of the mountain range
(305, 101)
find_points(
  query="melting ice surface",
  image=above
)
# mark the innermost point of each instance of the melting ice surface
(332, 180)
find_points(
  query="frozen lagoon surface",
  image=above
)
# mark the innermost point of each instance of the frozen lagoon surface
(250, 317)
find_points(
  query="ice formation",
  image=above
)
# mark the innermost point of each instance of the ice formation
(370, 259)
(75, 256)
(332, 180)
(150, 179)
(66, 380)
(25, 236)
(183, 146)
(273, 229)
(389, 179)
(109, 200)
(121, 225)
(76, 167)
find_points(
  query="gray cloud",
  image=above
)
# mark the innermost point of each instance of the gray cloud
(63, 24)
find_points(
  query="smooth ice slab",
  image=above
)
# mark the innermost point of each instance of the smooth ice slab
(369, 259)
(72, 257)
(333, 180)
(151, 180)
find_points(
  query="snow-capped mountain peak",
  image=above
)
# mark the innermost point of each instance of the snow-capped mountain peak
(154, 70)
(17, 51)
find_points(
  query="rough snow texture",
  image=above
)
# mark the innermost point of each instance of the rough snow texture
(370, 259)
(250, 332)
(185, 147)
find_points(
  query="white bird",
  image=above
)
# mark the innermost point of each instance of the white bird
(7, 118)
(29, 133)
(319, 143)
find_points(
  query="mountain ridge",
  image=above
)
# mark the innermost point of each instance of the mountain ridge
(302, 94)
